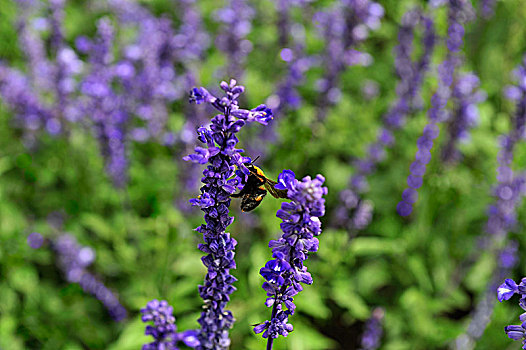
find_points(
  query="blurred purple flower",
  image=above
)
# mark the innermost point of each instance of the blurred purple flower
(107, 108)
(286, 97)
(43, 98)
(370, 89)
(236, 18)
(459, 12)
(35, 240)
(73, 260)
(354, 212)
(487, 8)
(373, 331)
(343, 27)
(510, 189)
(465, 96)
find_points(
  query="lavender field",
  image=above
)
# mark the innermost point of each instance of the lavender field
(242, 174)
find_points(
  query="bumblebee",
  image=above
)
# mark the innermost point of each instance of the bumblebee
(256, 188)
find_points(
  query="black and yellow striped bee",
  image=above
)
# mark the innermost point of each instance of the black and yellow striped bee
(256, 188)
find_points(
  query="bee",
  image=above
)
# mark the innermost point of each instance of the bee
(256, 188)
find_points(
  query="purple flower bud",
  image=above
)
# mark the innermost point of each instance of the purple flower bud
(35, 240)
(404, 208)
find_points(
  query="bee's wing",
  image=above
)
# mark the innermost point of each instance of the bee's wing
(269, 185)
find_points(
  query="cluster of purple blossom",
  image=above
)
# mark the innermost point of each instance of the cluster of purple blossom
(41, 97)
(164, 330)
(487, 8)
(124, 89)
(343, 27)
(237, 23)
(106, 107)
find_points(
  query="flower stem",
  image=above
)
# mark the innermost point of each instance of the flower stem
(270, 340)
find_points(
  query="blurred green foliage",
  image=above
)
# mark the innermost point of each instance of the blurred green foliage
(146, 248)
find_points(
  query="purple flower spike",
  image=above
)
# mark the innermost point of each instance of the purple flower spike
(73, 260)
(283, 275)
(164, 330)
(459, 12)
(510, 188)
(372, 334)
(343, 27)
(236, 18)
(220, 180)
(357, 214)
(466, 96)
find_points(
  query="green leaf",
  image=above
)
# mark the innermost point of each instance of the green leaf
(363, 246)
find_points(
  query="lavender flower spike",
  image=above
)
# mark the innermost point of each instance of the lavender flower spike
(459, 12)
(164, 329)
(236, 18)
(466, 95)
(373, 330)
(283, 274)
(220, 180)
(73, 260)
(355, 213)
(502, 215)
